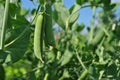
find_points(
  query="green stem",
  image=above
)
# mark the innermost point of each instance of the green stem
(92, 26)
(46, 76)
(4, 23)
(79, 59)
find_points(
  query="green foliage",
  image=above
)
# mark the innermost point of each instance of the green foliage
(74, 55)
(61, 14)
(2, 71)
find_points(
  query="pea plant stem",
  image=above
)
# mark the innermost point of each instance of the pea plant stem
(79, 59)
(92, 25)
(4, 24)
(85, 72)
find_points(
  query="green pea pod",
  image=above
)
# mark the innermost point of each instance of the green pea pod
(98, 37)
(38, 36)
(49, 37)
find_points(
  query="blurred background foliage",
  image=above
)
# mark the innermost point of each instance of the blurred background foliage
(93, 54)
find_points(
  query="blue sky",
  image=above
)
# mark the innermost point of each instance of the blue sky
(85, 14)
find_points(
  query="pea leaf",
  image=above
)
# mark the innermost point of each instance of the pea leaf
(61, 14)
(3, 56)
(81, 2)
(18, 48)
(74, 14)
(66, 57)
(2, 73)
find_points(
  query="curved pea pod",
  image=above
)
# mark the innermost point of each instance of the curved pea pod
(38, 37)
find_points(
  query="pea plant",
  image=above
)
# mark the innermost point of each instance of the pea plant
(35, 50)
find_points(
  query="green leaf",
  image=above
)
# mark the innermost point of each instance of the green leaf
(106, 3)
(2, 73)
(61, 14)
(93, 72)
(78, 27)
(52, 1)
(74, 10)
(32, 76)
(13, 9)
(81, 2)
(3, 56)
(50, 56)
(112, 70)
(65, 75)
(16, 26)
(41, 1)
(17, 34)
(66, 57)
(23, 11)
(18, 48)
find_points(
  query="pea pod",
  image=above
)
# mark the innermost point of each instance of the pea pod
(38, 37)
(49, 37)
(98, 37)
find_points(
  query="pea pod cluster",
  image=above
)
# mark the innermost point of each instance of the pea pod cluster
(43, 29)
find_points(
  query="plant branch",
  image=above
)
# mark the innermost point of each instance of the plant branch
(79, 59)
(92, 25)
(5, 18)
